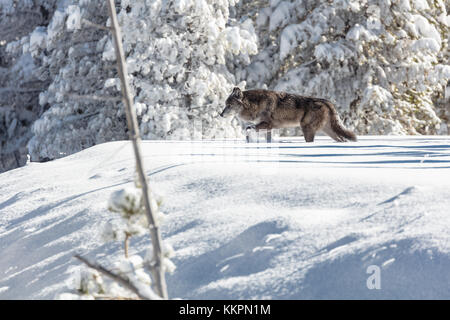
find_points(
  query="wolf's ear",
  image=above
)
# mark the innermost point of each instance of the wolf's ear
(237, 93)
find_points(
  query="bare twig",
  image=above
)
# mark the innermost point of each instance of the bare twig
(158, 272)
(91, 24)
(125, 282)
(92, 97)
(20, 90)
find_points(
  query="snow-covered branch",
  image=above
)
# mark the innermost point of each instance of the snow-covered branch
(123, 281)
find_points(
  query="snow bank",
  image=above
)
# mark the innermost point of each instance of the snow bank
(282, 221)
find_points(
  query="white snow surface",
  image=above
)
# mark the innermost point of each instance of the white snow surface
(287, 220)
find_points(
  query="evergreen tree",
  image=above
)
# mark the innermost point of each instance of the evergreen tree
(176, 52)
(378, 60)
(384, 63)
(71, 51)
(20, 81)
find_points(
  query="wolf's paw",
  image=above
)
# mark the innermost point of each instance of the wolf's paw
(251, 136)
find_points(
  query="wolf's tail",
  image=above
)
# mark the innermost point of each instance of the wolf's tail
(342, 133)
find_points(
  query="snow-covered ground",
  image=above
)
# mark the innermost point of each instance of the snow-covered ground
(286, 220)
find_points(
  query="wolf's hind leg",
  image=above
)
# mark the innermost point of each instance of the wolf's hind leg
(308, 133)
(269, 136)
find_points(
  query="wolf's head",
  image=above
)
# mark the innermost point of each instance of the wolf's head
(233, 103)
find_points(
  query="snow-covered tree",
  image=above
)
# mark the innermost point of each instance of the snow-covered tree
(176, 53)
(384, 63)
(20, 81)
(378, 60)
(71, 51)
(181, 78)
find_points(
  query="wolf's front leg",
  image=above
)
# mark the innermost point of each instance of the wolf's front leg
(265, 126)
(248, 129)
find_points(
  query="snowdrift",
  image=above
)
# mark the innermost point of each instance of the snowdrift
(287, 220)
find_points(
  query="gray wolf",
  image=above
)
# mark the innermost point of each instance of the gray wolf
(266, 109)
